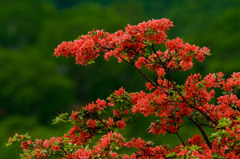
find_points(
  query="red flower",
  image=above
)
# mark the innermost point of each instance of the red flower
(91, 123)
(121, 124)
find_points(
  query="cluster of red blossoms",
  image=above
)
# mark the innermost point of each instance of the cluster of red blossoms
(93, 135)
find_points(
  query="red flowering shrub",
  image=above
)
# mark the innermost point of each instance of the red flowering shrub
(165, 99)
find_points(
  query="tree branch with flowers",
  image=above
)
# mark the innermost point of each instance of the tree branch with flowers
(170, 102)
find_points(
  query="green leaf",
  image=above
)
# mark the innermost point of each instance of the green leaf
(201, 85)
(224, 122)
(219, 134)
(90, 62)
(194, 147)
(8, 144)
(61, 118)
(173, 154)
(191, 53)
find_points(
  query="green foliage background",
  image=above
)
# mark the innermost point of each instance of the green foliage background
(35, 86)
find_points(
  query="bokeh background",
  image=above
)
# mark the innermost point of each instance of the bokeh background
(35, 85)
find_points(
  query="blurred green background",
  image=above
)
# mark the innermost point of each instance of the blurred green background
(35, 85)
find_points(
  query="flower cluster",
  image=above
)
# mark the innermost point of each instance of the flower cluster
(133, 42)
(95, 135)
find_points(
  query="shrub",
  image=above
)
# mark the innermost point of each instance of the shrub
(146, 46)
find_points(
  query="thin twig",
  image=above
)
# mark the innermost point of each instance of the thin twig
(102, 123)
(131, 63)
(210, 126)
(146, 78)
(180, 138)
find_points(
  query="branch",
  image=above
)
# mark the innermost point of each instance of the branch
(202, 131)
(63, 150)
(192, 106)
